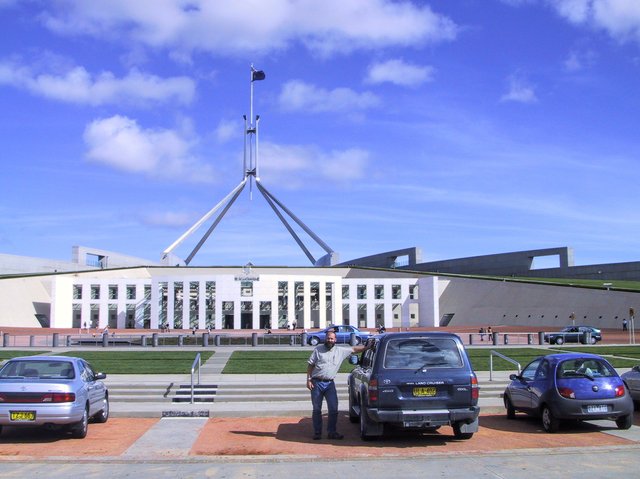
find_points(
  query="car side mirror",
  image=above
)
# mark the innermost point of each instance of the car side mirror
(515, 377)
(354, 359)
(636, 369)
(100, 376)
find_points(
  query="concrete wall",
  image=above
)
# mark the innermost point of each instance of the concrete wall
(486, 302)
(22, 298)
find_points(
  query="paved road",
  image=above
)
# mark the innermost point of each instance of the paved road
(593, 463)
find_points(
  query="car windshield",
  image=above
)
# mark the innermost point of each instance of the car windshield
(37, 370)
(584, 367)
(422, 353)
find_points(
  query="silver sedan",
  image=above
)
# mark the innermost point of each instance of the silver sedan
(52, 391)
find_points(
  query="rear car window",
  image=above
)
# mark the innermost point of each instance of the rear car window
(416, 353)
(38, 369)
(581, 367)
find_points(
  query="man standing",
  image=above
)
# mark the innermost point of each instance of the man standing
(323, 366)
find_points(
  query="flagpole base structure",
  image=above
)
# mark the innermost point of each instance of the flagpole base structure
(250, 174)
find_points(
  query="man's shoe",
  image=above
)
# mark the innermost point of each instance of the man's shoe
(335, 435)
(317, 436)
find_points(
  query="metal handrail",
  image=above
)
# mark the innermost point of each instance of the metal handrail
(496, 353)
(193, 369)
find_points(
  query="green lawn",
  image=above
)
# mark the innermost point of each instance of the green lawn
(9, 353)
(272, 362)
(283, 362)
(141, 362)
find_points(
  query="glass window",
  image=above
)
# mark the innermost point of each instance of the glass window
(77, 291)
(95, 291)
(362, 291)
(113, 291)
(529, 372)
(584, 367)
(413, 291)
(131, 291)
(425, 353)
(396, 291)
(379, 291)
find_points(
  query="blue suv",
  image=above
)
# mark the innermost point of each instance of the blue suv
(420, 380)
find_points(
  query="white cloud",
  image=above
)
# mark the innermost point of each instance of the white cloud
(300, 164)
(168, 218)
(226, 130)
(231, 27)
(398, 72)
(519, 91)
(579, 60)
(78, 86)
(120, 143)
(297, 95)
(619, 18)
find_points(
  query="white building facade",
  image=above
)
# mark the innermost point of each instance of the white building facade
(242, 298)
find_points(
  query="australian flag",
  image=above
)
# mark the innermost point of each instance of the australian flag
(257, 75)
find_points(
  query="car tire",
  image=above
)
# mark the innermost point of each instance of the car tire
(314, 341)
(358, 340)
(625, 422)
(366, 425)
(593, 340)
(79, 430)
(511, 411)
(103, 415)
(550, 423)
(457, 431)
(559, 341)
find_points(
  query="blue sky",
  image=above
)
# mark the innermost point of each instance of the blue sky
(464, 127)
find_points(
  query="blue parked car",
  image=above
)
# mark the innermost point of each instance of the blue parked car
(343, 335)
(575, 386)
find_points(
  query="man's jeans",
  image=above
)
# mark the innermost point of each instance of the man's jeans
(327, 390)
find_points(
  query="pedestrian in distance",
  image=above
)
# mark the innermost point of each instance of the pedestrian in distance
(323, 365)
(482, 333)
(624, 324)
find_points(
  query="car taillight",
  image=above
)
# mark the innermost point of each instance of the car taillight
(34, 398)
(59, 397)
(619, 391)
(475, 389)
(373, 390)
(567, 393)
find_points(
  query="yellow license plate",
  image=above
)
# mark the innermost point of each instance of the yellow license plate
(424, 392)
(22, 415)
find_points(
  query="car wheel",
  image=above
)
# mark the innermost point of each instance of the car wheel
(559, 341)
(593, 340)
(103, 415)
(314, 341)
(550, 423)
(511, 411)
(625, 422)
(457, 431)
(358, 340)
(366, 424)
(79, 429)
